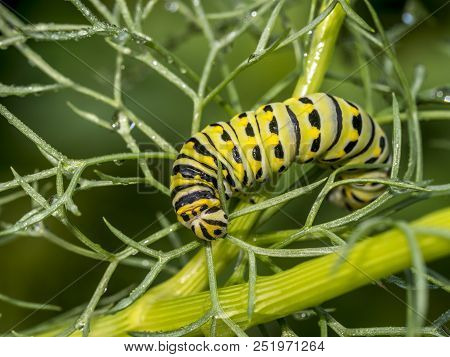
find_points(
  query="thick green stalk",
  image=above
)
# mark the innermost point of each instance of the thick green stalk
(307, 284)
(320, 53)
(191, 279)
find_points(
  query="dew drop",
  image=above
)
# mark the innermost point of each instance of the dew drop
(408, 18)
(183, 70)
(35, 228)
(115, 121)
(172, 6)
(80, 325)
(253, 13)
(155, 63)
(442, 93)
(121, 37)
(53, 199)
(115, 125)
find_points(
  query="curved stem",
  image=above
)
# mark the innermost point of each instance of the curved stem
(305, 285)
(320, 53)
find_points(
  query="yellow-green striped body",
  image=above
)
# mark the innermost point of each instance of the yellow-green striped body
(257, 145)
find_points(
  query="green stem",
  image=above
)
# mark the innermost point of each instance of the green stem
(305, 285)
(320, 53)
(423, 115)
(28, 305)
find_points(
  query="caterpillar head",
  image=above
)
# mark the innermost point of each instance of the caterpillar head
(207, 221)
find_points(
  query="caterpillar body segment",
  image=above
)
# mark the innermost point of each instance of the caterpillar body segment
(255, 146)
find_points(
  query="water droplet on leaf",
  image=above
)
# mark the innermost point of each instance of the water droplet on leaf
(121, 37)
(408, 18)
(172, 6)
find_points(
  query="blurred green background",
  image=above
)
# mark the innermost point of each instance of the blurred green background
(35, 270)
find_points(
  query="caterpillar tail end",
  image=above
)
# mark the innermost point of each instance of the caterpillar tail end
(208, 222)
(355, 196)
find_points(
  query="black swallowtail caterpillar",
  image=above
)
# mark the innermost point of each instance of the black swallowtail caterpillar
(256, 145)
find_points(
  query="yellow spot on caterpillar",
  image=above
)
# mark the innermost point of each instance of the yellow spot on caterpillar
(255, 165)
(376, 152)
(208, 160)
(307, 108)
(192, 206)
(177, 180)
(313, 132)
(271, 140)
(217, 129)
(277, 162)
(250, 141)
(228, 145)
(265, 116)
(355, 112)
(353, 135)
(242, 121)
(239, 169)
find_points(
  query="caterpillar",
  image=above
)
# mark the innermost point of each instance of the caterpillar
(255, 146)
